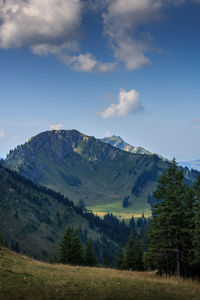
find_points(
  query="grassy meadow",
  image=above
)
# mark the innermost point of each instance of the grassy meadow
(135, 209)
(25, 278)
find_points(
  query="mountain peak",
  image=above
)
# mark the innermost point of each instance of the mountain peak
(118, 142)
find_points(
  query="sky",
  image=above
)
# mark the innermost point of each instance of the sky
(103, 67)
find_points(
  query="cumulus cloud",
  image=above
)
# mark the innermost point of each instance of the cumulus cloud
(2, 133)
(56, 127)
(121, 20)
(47, 27)
(129, 102)
(36, 22)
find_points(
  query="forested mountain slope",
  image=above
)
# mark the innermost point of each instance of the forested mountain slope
(33, 219)
(85, 168)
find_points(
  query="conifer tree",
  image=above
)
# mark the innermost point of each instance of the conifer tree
(1, 240)
(66, 247)
(197, 223)
(71, 249)
(77, 250)
(90, 258)
(119, 257)
(168, 233)
(129, 260)
(139, 253)
(132, 222)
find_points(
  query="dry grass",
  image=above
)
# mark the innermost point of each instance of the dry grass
(24, 278)
(124, 216)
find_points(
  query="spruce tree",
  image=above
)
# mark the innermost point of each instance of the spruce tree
(132, 222)
(129, 260)
(139, 253)
(168, 233)
(66, 247)
(90, 258)
(77, 250)
(119, 257)
(197, 224)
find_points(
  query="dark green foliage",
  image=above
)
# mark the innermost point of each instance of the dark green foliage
(143, 179)
(196, 241)
(77, 257)
(90, 258)
(132, 222)
(129, 260)
(15, 246)
(170, 249)
(70, 180)
(134, 253)
(125, 202)
(71, 250)
(1, 240)
(119, 257)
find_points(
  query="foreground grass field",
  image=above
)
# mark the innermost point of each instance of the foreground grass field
(24, 278)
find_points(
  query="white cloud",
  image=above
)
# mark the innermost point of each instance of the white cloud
(129, 102)
(86, 63)
(48, 27)
(2, 133)
(56, 127)
(120, 23)
(35, 22)
(54, 27)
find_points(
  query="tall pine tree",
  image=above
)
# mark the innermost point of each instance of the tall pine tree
(119, 257)
(90, 258)
(66, 247)
(169, 231)
(196, 236)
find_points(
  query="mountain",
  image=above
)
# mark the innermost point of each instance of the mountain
(33, 219)
(194, 164)
(118, 142)
(86, 169)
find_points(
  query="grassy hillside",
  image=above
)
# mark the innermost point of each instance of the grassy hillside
(33, 218)
(24, 278)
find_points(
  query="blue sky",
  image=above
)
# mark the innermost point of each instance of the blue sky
(123, 67)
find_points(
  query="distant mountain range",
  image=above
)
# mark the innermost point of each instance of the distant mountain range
(118, 142)
(90, 170)
(194, 164)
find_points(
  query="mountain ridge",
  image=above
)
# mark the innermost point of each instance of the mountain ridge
(86, 169)
(118, 142)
